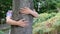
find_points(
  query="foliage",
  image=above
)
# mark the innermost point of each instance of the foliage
(49, 25)
(51, 5)
(43, 17)
(46, 5)
(45, 22)
(58, 5)
(5, 5)
(1, 32)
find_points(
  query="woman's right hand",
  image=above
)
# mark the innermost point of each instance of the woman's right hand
(22, 23)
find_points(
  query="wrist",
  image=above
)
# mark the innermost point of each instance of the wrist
(17, 23)
(31, 12)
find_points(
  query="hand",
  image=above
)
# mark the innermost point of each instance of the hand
(23, 23)
(26, 10)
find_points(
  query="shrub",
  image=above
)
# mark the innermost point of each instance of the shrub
(43, 17)
(1, 32)
(49, 25)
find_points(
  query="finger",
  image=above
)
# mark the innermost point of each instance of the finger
(22, 11)
(26, 21)
(25, 25)
(23, 19)
(23, 8)
(34, 10)
(26, 7)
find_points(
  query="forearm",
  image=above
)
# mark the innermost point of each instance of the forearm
(11, 22)
(35, 14)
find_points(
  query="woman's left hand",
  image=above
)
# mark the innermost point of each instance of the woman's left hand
(26, 10)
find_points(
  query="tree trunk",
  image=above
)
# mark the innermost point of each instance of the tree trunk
(17, 4)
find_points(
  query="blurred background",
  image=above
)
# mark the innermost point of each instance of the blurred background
(48, 21)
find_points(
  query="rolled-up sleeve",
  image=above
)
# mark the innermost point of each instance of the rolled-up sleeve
(9, 13)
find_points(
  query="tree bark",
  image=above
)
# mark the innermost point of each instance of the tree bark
(17, 4)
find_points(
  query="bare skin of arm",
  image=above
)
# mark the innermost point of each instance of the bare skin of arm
(34, 13)
(13, 22)
(21, 22)
(27, 10)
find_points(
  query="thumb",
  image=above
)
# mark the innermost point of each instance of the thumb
(23, 19)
